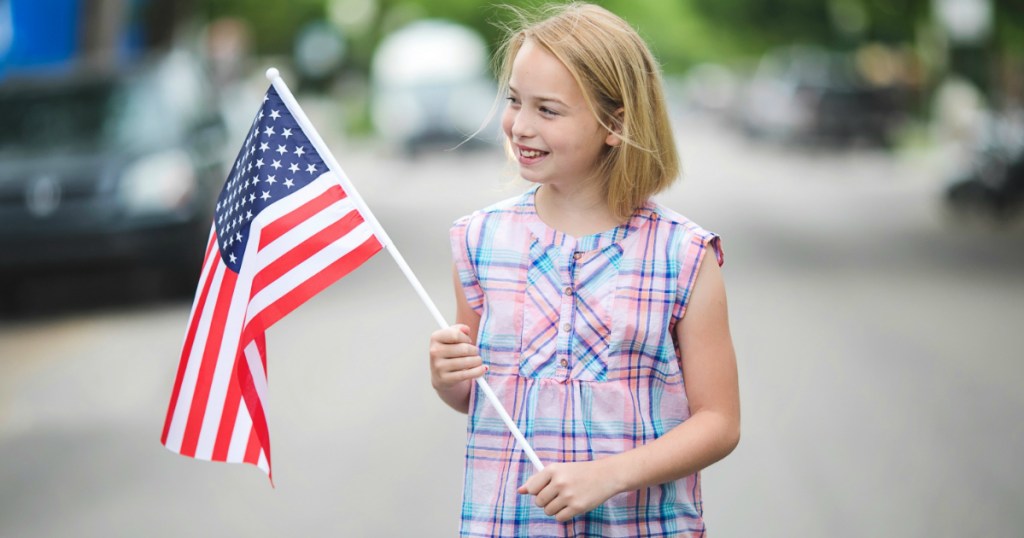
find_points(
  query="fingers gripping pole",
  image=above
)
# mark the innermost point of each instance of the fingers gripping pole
(314, 137)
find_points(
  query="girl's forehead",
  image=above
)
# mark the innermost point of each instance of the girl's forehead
(536, 69)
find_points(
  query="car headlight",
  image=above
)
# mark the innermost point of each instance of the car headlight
(160, 182)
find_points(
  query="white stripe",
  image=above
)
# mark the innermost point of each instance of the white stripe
(259, 375)
(262, 462)
(309, 267)
(240, 435)
(328, 216)
(179, 419)
(293, 201)
(225, 362)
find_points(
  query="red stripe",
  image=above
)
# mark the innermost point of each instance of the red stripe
(208, 364)
(281, 226)
(317, 283)
(252, 448)
(255, 407)
(305, 250)
(190, 337)
(228, 416)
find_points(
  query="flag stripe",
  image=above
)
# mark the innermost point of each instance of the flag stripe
(197, 306)
(208, 364)
(229, 415)
(195, 354)
(279, 226)
(318, 282)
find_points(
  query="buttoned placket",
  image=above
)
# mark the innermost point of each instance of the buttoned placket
(570, 297)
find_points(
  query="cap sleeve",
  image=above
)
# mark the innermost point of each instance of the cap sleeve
(695, 245)
(465, 265)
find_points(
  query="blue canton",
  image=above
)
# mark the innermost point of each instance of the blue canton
(276, 160)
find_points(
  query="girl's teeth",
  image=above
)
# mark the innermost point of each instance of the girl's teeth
(531, 153)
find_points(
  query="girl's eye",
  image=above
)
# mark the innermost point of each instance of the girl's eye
(547, 111)
(512, 100)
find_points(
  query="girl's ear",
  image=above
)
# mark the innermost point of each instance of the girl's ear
(613, 138)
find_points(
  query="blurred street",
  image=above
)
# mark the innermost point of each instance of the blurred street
(879, 342)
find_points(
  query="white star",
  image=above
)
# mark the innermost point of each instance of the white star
(238, 236)
(271, 180)
(232, 258)
(248, 215)
(255, 179)
(264, 146)
(276, 164)
(265, 195)
(274, 114)
(289, 183)
(311, 168)
(252, 197)
(293, 168)
(259, 163)
(269, 131)
(281, 150)
(299, 151)
(265, 97)
(286, 133)
(260, 116)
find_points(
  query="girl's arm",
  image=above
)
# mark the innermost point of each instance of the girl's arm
(711, 432)
(454, 359)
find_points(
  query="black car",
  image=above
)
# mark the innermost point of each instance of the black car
(117, 168)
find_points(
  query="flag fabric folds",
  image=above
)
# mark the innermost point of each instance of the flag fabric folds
(284, 229)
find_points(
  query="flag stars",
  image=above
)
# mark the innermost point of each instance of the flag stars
(281, 150)
(289, 183)
(299, 152)
(271, 180)
(265, 196)
(269, 131)
(274, 114)
(259, 163)
(293, 168)
(276, 164)
(264, 146)
(311, 168)
(286, 133)
(233, 258)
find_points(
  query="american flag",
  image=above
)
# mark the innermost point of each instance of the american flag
(284, 229)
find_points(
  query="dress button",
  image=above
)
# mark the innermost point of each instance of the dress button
(564, 363)
(566, 327)
(568, 290)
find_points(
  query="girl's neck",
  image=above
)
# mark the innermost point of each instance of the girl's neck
(576, 213)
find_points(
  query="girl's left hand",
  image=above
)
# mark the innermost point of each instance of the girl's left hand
(566, 490)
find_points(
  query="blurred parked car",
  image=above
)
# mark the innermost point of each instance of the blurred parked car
(116, 167)
(431, 85)
(991, 185)
(808, 95)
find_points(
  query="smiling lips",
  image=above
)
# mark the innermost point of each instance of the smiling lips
(530, 155)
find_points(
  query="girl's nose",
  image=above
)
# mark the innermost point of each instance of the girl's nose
(521, 126)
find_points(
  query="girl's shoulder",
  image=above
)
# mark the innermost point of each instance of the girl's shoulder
(668, 217)
(688, 237)
(514, 207)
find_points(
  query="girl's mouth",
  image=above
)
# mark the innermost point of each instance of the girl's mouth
(530, 156)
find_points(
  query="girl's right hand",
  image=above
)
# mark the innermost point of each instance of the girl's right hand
(453, 358)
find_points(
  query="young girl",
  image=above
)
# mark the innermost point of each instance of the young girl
(588, 305)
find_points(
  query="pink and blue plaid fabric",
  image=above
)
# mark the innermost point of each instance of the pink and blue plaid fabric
(578, 335)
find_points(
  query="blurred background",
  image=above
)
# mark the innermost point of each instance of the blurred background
(863, 161)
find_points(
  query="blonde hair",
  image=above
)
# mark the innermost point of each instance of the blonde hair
(622, 85)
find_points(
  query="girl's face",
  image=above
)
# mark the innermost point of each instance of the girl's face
(555, 137)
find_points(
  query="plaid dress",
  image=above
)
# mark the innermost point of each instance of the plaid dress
(579, 337)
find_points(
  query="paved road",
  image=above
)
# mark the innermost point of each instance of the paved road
(880, 350)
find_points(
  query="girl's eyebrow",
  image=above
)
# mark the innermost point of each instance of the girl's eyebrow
(541, 98)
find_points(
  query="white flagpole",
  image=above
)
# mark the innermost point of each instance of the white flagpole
(314, 138)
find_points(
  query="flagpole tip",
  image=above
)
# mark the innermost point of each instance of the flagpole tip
(272, 74)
